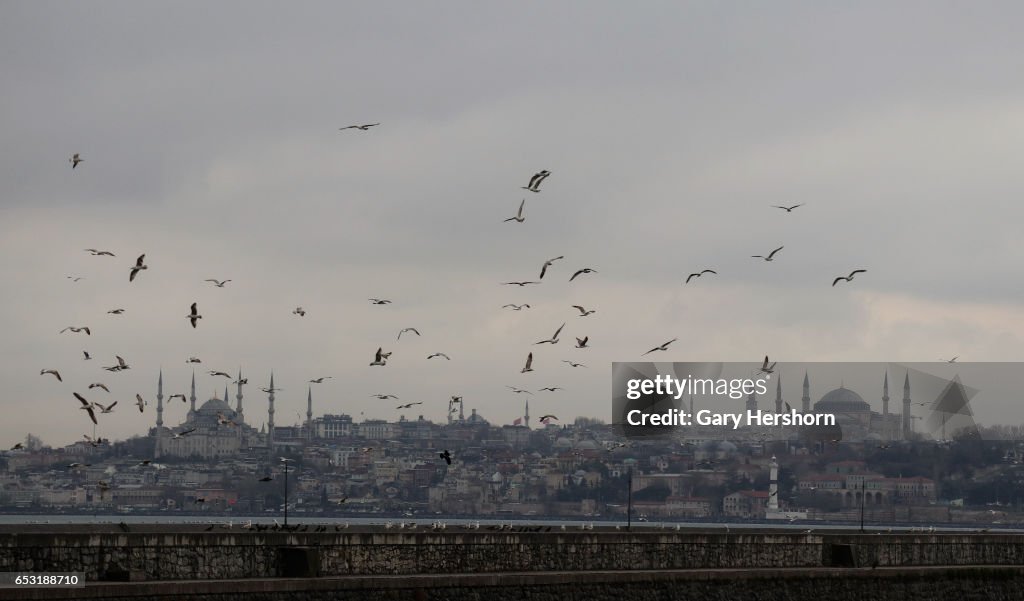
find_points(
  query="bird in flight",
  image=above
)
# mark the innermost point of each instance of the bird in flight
(582, 271)
(552, 388)
(767, 367)
(99, 385)
(242, 381)
(439, 355)
(404, 330)
(516, 307)
(380, 301)
(108, 409)
(320, 380)
(788, 209)
(183, 433)
(953, 360)
(697, 275)
(770, 255)
(194, 316)
(217, 283)
(553, 339)
(534, 185)
(548, 263)
(99, 253)
(139, 402)
(545, 418)
(384, 397)
(87, 355)
(52, 372)
(193, 360)
(139, 266)
(529, 364)
(77, 330)
(663, 347)
(520, 390)
(74, 278)
(848, 278)
(359, 127)
(409, 405)
(219, 373)
(75, 160)
(379, 358)
(519, 216)
(446, 456)
(116, 311)
(174, 396)
(584, 312)
(520, 284)
(299, 311)
(582, 342)
(87, 407)
(571, 364)
(270, 390)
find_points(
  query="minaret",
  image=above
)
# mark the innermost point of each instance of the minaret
(526, 418)
(309, 413)
(773, 487)
(238, 399)
(908, 426)
(270, 418)
(885, 394)
(751, 402)
(159, 415)
(778, 395)
(226, 397)
(691, 407)
(192, 397)
(462, 413)
(806, 399)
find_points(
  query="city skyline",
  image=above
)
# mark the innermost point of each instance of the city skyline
(668, 150)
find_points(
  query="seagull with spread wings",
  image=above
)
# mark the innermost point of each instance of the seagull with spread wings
(582, 342)
(404, 330)
(380, 301)
(359, 127)
(584, 312)
(663, 347)
(848, 278)
(76, 330)
(572, 364)
(697, 275)
(217, 283)
(75, 160)
(52, 372)
(548, 263)
(194, 316)
(99, 253)
(520, 284)
(553, 339)
(516, 307)
(299, 311)
(379, 358)
(439, 355)
(86, 406)
(139, 266)
(534, 185)
(787, 209)
(320, 380)
(529, 364)
(582, 271)
(770, 256)
(99, 385)
(141, 404)
(518, 216)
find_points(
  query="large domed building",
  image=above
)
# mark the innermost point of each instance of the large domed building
(854, 415)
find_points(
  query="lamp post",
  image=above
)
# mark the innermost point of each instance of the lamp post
(629, 502)
(863, 498)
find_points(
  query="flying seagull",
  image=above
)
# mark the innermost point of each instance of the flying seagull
(404, 330)
(87, 356)
(99, 385)
(193, 360)
(183, 433)
(697, 275)
(520, 390)
(320, 380)
(584, 312)
(529, 364)
(299, 311)
(953, 360)
(217, 283)
(77, 330)
(52, 372)
(108, 409)
(174, 396)
(116, 311)
(534, 185)
(544, 418)
(379, 358)
(75, 160)
(409, 405)
(99, 253)
(582, 342)
(516, 307)
(573, 364)
(380, 301)
(242, 381)
(848, 278)
(544, 268)
(520, 284)
(439, 355)
(519, 216)
(384, 397)
(553, 339)
(584, 270)
(139, 402)
(552, 388)
(359, 127)
(770, 255)
(194, 316)
(788, 209)
(18, 446)
(663, 347)
(74, 279)
(219, 373)
(767, 367)
(87, 407)
(446, 456)
(139, 266)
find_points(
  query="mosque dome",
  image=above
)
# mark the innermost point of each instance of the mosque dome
(563, 443)
(215, 406)
(841, 400)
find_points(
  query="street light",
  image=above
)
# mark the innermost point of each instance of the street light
(286, 462)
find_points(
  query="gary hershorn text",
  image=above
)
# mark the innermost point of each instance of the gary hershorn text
(678, 417)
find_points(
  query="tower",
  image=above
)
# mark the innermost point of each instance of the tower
(691, 406)
(885, 394)
(270, 418)
(778, 395)
(159, 415)
(226, 397)
(238, 398)
(309, 413)
(526, 418)
(462, 413)
(751, 402)
(908, 425)
(805, 400)
(773, 487)
(192, 397)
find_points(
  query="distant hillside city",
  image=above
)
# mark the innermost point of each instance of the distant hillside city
(215, 464)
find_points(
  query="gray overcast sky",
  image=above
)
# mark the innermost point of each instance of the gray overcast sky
(211, 143)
